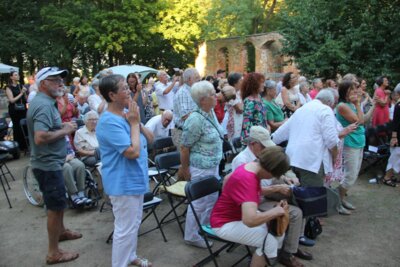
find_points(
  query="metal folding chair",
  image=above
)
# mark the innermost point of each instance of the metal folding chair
(195, 190)
(3, 158)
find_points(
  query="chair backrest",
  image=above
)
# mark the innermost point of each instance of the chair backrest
(203, 187)
(168, 160)
(237, 143)
(163, 142)
(24, 128)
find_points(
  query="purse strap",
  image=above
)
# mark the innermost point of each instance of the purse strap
(219, 133)
(263, 249)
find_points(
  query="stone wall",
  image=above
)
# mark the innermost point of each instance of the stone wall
(231, 54)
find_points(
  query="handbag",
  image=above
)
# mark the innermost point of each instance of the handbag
(279, 225)
(19, 106)
(311, 200)
(313, 228)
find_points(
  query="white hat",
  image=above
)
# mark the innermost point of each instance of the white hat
(260, 134)
(49, 71)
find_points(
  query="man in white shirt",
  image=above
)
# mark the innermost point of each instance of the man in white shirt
(165, 90)
(160, 125)
(310, 132)
(258, 140)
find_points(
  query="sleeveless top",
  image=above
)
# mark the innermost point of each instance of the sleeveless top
(16, 90)
(355, 139)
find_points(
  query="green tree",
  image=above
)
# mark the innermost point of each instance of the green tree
(329, 37)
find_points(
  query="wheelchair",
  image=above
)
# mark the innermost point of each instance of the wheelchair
(35, 197)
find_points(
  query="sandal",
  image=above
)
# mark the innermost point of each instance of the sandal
(389, 182)
(78, 201)
(69, 235)
(61, 257)
(141, 262)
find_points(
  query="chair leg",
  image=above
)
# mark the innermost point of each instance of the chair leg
(8, 172)
(173, 210)
(159, 225)
(110, 237)
(3, 175)
(5, 192)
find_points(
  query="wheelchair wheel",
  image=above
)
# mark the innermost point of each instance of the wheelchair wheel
(31, 188)
(91, 190)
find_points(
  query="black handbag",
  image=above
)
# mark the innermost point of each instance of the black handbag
(19, 106)
(313, 228)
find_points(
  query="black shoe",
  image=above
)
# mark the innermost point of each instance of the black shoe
(290, 261)
(303, 255)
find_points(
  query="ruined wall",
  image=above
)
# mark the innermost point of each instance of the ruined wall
(231, 54)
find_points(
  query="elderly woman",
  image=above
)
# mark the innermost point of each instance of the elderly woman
(304, 96)
(85, 140)
(393, 165)
(234, 112)
(254, 111)
(123, 148)
(275, 116)
(235, 216)
(348, 111)
(289, 97)
(201, 153)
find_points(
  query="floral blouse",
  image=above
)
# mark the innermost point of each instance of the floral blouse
(254, 113)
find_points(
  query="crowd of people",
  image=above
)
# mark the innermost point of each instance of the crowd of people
(122, 117)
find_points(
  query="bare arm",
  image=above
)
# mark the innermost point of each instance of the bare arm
(349, 115)
(10, 96)
(147, 133)
(184, 169)
(170, 87)
(252, 218)
(238, 108)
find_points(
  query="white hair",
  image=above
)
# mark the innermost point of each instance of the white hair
(89, 115)
(200, 90)
(167, 112)
(326, 97)
(160, 72)
(397, 89)
(302, 79)
(95, 82)
(76, 79)
(188, 74)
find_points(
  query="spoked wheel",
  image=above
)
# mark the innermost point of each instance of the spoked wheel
(31, 188)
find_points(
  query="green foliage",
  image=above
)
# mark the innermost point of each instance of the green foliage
(330, 37)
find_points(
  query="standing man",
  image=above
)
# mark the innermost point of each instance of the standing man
(165, 91)
(47, 138)
(183, 103)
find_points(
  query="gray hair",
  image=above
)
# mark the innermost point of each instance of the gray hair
(167, 112)
(200, 90)
(95, 82)
(316, 80)
(349, 77)
(89, 115)
(160, 72)
(188, 74)
(269, 84)
(76, 79)
(326, 97)
(397, 89)
(302, 79)
(303, 84)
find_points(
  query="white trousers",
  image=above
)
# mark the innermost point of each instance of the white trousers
(202, 206)
(352, 160)
(128, 212)
(238, 232)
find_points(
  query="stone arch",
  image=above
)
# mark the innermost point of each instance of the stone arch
(248, 55)
(223, 59)
(271, 58)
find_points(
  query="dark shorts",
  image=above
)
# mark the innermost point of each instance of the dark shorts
(51, 183)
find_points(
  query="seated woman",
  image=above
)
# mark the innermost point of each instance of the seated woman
(85, 140)
(74, 177)
(235, 216)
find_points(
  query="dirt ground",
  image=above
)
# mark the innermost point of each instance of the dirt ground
(369, 237)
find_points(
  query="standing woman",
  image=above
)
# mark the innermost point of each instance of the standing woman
(123, 148)
(381, 96)
(254, 109)
(289, 94)
(349, 111)
(234, 112)
(275, 116)
(136, 93)
(16, 95)
(67, 107)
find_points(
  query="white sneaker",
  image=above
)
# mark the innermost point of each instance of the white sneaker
(199, 243)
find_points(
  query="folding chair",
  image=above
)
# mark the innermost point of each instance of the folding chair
(24, 128)
(3, 158)
(149, 206)
(195, 190)
(227, 153)
(176, 190)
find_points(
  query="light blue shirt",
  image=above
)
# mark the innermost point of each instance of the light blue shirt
(203, 139)
(121, 176)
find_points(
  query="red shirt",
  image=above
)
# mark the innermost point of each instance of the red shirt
(313, 93)
(242, 186)
(219, 111)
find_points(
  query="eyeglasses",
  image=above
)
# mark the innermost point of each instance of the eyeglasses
(56, 81)
(49, 69)
(93, 120)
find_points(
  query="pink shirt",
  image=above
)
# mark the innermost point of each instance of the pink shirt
(242, 186)
(313, 93)
(381, 114)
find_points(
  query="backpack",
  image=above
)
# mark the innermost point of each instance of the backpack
(313, 228)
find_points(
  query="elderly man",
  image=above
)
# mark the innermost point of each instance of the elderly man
(259, 139)
(183, 103)
(160, 125)
(165, 90)
(309, 132)
(47, 138)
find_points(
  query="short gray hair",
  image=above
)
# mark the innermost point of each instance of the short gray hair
(302, 79)
(160, 72)
(200, 90)
(95, 82)
(89, 115)
(167, 112)
(397, 89)
(269, 84)
(316, 80)
(303, 84)
(326, 97)
(188, 74)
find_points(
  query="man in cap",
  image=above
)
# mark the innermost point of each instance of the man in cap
(258, 140)
(48, 152)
